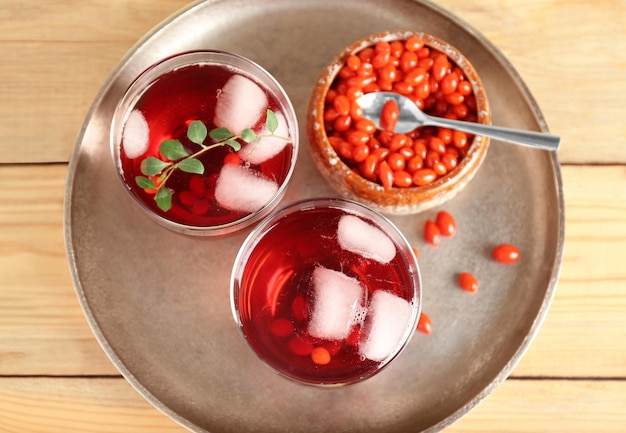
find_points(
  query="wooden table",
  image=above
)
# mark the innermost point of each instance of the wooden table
(55, 56)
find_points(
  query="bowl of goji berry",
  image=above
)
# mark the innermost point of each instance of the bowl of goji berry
(397, 173)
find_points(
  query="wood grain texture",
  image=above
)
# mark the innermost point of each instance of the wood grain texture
(69, 405)
(549, 407)
(57, 55)
(42, 328)
(572, 57)
(584, 333)
(54, 377)
(43, 331)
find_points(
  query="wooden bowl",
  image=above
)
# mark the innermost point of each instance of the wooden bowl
(348, 182)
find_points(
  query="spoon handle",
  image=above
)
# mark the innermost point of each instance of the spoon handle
(529, 138)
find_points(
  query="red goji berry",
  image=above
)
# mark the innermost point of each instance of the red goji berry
(446, 223)
(432, 234)
(424, 176)
(299, 308)
(385, 174)
(232, 158)
(281, 327)
(506, 253)
(424, 324)
(389, 115)
(300, 347)
(320, 355)
(431, 80)
(468, 282)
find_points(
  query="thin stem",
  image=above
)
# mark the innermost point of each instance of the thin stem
(164, 176)
(272, 135)
(204, 149)
(171, 168)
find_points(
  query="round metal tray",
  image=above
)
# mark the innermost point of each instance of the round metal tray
(158, 302)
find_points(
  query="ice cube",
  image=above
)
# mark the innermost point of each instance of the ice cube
(336, 300)
(135, 137)
(267, 147)
(240, 104)
(240, 189)
(362, 238)
(388, 319)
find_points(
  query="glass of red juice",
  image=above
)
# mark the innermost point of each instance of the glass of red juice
(205, 142)
(326, 291)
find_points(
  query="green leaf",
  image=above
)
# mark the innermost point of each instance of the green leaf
(234, 144)
(221, 134)
(163, 199)
(173, 149)
(271, 122)
(153, 165)
(144, 182)
(191, 165)
(248, 135)
(197, 132)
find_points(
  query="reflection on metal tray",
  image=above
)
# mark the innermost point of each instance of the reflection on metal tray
(158, 301)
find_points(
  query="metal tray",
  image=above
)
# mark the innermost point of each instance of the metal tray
(158, 302)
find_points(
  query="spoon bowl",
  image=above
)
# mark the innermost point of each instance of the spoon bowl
(411, 117)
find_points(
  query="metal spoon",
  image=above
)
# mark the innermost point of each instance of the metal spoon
(411, 117)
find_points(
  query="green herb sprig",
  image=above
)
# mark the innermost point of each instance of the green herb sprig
(156, 172)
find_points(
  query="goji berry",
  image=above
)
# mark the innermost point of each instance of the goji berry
(432, 234)
(424, 324)
(431, 80)
(320, 355)
(506, 253)
(424, 176)
(300, 347)
(281, 327)
(389, 115)
(385, 174)
(446, 223)
(468, 282)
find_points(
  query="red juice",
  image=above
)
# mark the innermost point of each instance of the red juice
(276, 294)
(169, 104)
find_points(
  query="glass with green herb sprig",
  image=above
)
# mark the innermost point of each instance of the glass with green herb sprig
(205, 142)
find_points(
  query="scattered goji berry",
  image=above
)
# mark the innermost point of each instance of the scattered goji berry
(468, 282)
(232, 158)
(432, 234)
(446, 223)
(506, 253)
(424, 324)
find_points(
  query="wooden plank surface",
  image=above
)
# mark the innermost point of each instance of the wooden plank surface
(572, 57)
(54, 377)
(43, 331)
(110, 405)
(56, 56)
